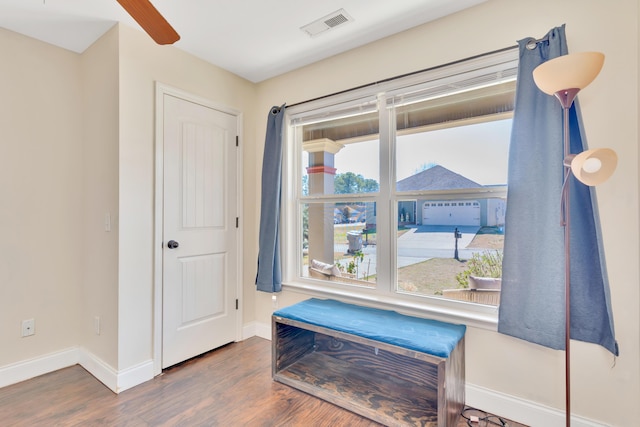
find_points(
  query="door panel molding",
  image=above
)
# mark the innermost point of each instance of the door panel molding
(161, 90)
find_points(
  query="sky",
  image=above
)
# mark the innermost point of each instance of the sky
(478, 152)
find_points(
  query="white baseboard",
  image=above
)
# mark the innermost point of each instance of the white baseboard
(99, 369)
(135, 375)
(117, 381)
(24, 370)
(523, 411)
(262, 330)
(513, 408)
(248, 330)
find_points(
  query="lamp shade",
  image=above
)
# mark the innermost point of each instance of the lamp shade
(574, 71)
(593, 167)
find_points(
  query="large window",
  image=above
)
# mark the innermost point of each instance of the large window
(398, 190)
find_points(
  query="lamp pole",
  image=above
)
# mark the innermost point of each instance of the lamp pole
(563, 77)
(566, 98)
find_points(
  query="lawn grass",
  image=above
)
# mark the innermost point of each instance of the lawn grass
(340, 233)
(430, 277)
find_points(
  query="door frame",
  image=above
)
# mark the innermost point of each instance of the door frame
(161, 90)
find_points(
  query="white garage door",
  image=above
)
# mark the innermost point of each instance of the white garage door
(454, 212)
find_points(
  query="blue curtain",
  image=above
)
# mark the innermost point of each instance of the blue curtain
(269, 277)
(532, 305)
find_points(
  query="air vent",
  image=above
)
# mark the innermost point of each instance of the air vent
(333, 20)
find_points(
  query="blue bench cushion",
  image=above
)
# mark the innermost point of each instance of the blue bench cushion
(423, 335)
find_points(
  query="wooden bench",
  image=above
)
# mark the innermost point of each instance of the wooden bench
(394, 369)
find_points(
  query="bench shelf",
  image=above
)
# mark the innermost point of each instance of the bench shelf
(387, 383)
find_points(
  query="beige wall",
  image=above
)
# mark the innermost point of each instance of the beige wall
(601, 391)
(100, 188)
(40, 197)
(78, 142)
(141, 64)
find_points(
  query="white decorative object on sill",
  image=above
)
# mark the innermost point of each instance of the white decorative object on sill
(324, 268)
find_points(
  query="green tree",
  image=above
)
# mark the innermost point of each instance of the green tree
(370, 186)
(349, 183)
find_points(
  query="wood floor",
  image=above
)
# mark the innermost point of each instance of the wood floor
(228, 387)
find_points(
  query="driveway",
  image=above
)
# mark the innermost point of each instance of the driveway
(436, 237)
(421, 243)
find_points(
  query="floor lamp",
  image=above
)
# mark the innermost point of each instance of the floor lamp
(564, 77)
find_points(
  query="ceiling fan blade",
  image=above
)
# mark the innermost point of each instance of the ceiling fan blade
(148, 17)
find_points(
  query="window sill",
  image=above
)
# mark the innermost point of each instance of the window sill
(472, 315)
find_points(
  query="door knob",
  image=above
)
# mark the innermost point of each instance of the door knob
(172, 244)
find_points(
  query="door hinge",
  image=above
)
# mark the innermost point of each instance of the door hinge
(237, 140)
(236, 303)
(237, 222)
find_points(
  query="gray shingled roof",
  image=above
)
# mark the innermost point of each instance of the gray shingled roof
(435, 178)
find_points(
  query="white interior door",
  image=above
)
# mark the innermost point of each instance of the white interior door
(199, 307)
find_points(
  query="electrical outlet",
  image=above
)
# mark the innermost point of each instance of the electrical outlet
(96, 325)
(274, 301)
(28, 327)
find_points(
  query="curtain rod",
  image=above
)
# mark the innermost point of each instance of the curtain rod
(533, 43)
(276, 110)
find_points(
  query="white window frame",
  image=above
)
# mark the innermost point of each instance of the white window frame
(384, 295)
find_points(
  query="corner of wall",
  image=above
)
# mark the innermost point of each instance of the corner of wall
(117, 381)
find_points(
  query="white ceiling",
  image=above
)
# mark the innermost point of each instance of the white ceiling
(255, 39)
